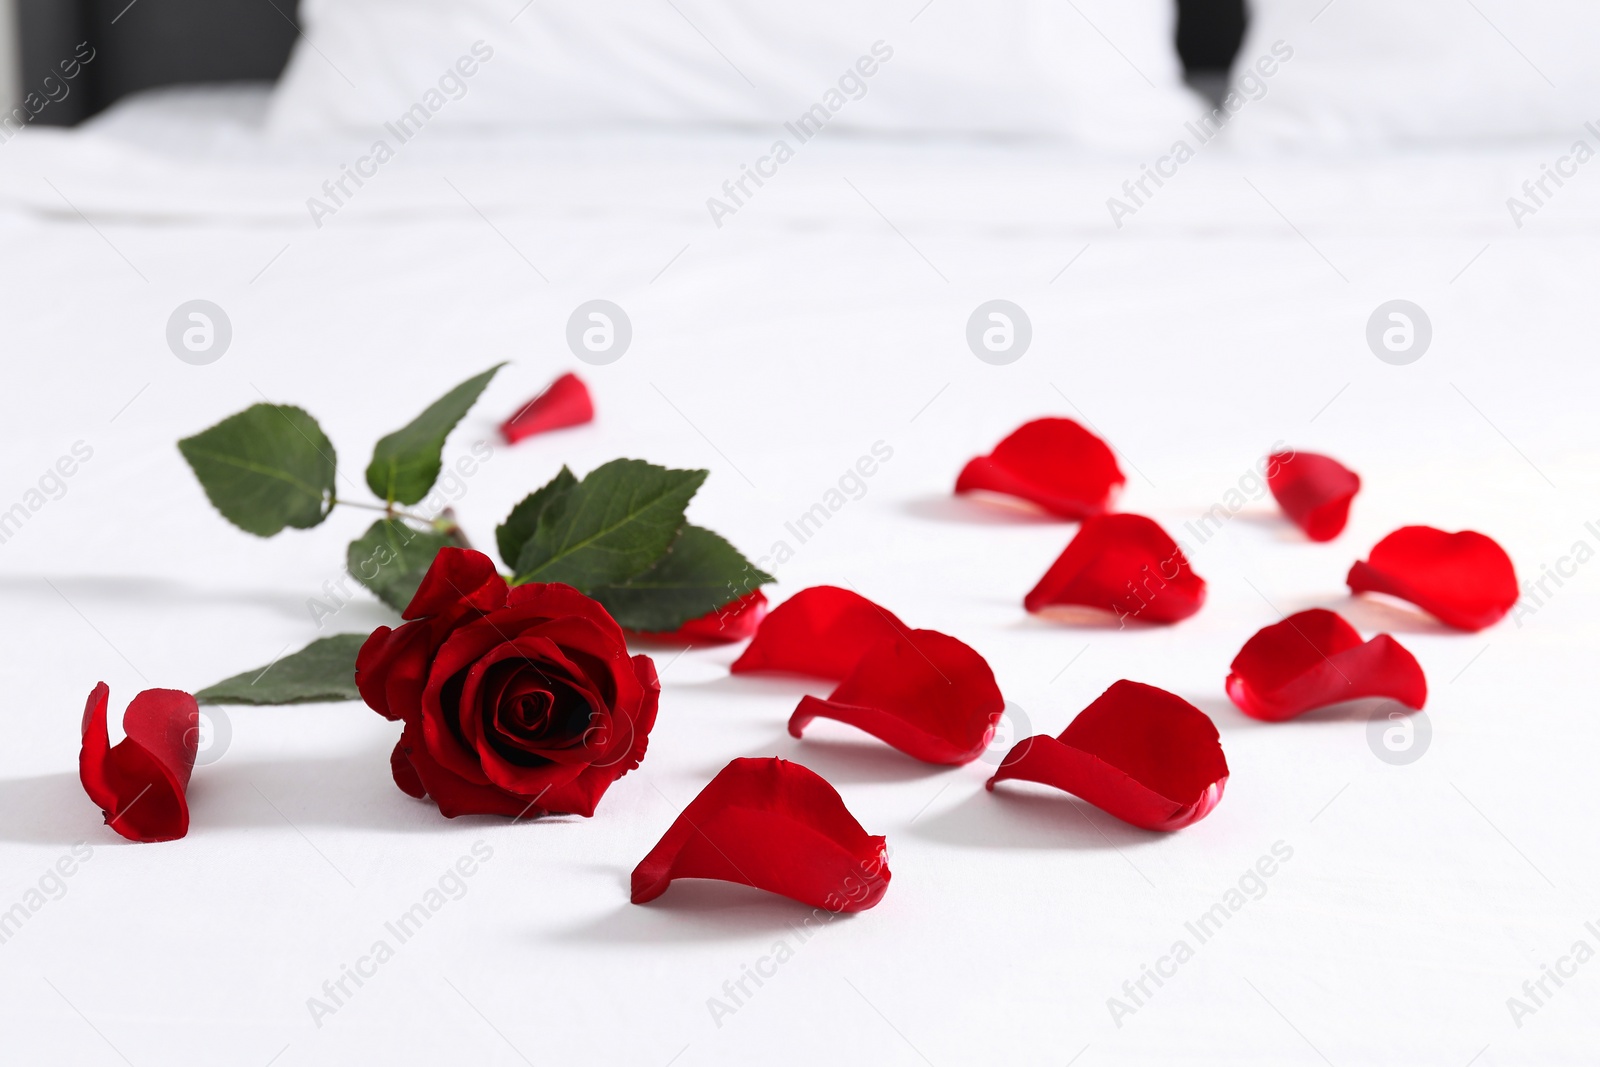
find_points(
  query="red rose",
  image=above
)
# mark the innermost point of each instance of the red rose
(515, 701)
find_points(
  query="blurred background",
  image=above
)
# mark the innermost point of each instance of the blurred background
(177, 42)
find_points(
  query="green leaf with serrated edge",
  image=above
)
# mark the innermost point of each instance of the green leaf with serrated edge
(615, 523)
(268, 467)
(325, 670)
(512, 534)
(391, 558)
(406, 463)
(699, 574)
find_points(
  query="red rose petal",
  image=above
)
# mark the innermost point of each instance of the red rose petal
(458, 582)
(1140, 753)
(1315, 658)
(581, 795)
(925, 693)
(1054, 463)
(822, 631)
(1463, 579)
(140, 784)
(454, 795)
(389, 676)
(1124, 564)
(774, 825)
(1314, 491)
(564, 402)
(405, 775)
(734, 621)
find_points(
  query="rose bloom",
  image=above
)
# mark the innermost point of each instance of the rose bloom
(515, 701)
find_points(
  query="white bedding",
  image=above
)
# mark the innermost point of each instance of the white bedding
(1092, 72)
(1374, 73)
(1225, 315)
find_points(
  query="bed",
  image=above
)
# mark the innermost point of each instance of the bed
(1213, 319)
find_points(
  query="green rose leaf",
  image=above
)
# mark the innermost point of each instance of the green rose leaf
(268, 467)
(609, 527)
(406, 463)
(325, 670)
(512, 534)
(391, 558)
(699, 574)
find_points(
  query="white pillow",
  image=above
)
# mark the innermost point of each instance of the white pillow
(1098, 72)
(1373, 73)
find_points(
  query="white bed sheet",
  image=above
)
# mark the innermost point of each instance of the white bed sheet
(828, 314)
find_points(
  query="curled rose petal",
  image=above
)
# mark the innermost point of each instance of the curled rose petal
(734, 621)
(140, 784)
(459, 582)
(774, 825)
(822, 631)
(922, 692)
(1315, 658)
(1140, 753)
(564, 402)
(1462, 579)
(1314, 491)
(1054, 463)
(1124, 564)
(405, 775)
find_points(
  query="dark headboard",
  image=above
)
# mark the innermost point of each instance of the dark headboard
(1209, 34)
(140, 44)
